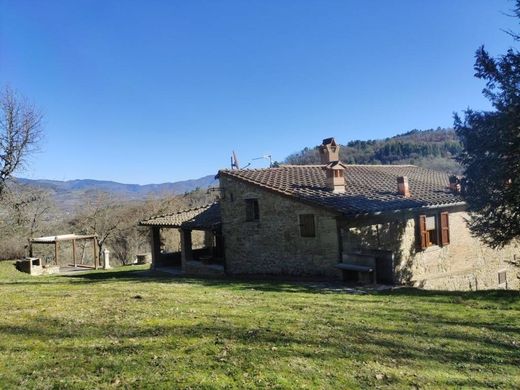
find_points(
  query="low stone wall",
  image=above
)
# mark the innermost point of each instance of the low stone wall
(33, 266)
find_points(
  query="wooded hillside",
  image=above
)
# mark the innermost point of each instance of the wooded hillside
(433, 148)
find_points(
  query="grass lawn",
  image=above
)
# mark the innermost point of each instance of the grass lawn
(133, 329)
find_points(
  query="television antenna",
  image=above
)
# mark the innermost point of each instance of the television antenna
(234, 161)
(266, 157)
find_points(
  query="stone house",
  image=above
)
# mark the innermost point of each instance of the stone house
(397, 224)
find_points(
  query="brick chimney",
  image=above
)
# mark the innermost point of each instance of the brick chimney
(455, 184)
(402, 186)
(329, 151)
(334, 169)
(335, 172)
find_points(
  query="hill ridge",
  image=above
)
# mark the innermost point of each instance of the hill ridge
(432, 148)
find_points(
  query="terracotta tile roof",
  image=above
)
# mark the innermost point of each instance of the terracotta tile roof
(370, 189)
(204, 217)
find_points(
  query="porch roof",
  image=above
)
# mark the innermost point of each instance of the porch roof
(63, 237)
(206, 217)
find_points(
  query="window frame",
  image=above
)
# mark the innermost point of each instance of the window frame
(307, 228)
(441, 232)
(502, 277)
(252, 210)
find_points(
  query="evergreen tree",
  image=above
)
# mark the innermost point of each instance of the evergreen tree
(491, 155)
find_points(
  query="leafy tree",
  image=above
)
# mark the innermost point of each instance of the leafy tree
(491, 155)
(20, 133)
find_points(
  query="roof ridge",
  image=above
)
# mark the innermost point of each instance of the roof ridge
(181, 211)
(322, 165)
(382, 165)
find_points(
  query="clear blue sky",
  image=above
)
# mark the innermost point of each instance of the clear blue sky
(156, 91)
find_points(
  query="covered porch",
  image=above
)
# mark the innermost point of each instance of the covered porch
(202, 255)
(367, 250)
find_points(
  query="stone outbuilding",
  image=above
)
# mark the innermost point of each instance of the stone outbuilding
(203, 255)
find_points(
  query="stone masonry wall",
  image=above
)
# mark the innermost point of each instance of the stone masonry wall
(465, 264)
(273, 245)
(171, 240)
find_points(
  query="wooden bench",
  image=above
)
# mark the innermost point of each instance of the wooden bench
(356, 265)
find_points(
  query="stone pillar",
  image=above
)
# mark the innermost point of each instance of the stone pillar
(156, 246)
(106, 259)
(186, 247)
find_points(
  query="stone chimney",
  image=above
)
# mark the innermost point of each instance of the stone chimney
(402, 186)
(329, 151)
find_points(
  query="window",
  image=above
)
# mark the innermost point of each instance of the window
(307, 226)
(252, 210)
(502, 277)
(434, 230)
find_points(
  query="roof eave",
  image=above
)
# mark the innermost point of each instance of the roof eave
(384, 213)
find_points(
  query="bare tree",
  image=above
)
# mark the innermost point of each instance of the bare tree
(24, 212)
(20, 132)
(99, 215)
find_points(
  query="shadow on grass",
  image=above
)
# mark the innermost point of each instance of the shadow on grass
(388, 346)
(272, 284)
(277, 284)
(413, 332)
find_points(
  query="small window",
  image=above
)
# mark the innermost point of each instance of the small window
(431, 230)
(307, 226)
(252, 210)
(434, 230)
(502, 277)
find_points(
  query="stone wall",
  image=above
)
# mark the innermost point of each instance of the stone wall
(465, 264)
(273, 244)
(171, 239)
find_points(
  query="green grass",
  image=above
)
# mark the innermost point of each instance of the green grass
(133, 329)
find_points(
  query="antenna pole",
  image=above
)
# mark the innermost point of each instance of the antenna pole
(234, 161)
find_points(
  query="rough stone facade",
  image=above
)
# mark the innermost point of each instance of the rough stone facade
(465, 264)
(171, 239)
(273, 245)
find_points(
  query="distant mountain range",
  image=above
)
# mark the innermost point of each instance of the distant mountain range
(433, 148)
(68, 194)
